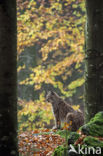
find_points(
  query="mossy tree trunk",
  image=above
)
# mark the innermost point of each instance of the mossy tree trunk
(8, 78)
(94, 58)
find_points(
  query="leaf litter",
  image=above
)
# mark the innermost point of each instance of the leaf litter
(39, 142)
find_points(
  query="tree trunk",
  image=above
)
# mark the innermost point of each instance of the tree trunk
(94, 58)
(8, 78)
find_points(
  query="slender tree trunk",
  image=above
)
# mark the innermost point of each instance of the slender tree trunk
(8, 78)
(94, 58)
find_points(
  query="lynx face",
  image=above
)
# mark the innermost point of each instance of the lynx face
(50, 96)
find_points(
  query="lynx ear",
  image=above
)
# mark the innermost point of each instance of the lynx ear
(51, 93)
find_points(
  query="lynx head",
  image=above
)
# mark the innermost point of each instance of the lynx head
(50, 96)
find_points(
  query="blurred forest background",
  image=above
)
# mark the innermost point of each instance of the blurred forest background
(50, 57)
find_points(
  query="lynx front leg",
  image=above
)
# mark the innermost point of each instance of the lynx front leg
(57, 122)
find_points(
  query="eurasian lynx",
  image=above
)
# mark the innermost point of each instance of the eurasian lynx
(63, 112)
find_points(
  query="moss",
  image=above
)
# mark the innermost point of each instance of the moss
(73, 137)
(60, 151)
(63, 133)
(92, 141)
(95, 126)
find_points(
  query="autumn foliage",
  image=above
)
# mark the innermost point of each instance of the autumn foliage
(55, 29)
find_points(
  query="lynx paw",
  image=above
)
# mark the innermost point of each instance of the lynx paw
(55, 127)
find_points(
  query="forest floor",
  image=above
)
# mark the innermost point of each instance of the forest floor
(40, 142)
